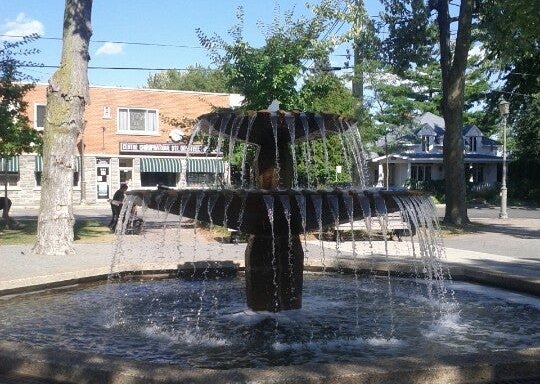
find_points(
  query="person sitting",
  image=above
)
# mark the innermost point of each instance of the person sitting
(116, 205)
(5, 205)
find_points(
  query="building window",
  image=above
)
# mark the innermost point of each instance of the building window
(12, 179)
(138, 121)
(196, 179)
(38, 176)
(39, 113)
(126, 170)
(425, 143)
(421, 172)
(151, 179)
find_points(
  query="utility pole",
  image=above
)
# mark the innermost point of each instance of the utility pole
(358, 79)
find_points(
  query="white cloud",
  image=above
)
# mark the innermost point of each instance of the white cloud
(110, 49)
(21, 26)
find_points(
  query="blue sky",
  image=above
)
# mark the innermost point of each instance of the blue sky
(168, 22)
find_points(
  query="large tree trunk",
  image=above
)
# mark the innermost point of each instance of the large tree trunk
(453, 84)
(67, 95)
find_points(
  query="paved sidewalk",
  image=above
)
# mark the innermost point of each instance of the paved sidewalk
(165, 249)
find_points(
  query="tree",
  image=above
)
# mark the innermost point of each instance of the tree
(195, 78)
(67, 96)
(270, 72)
(510, 35)
(16, 135)
(398, 98)
(324, 91)
(410, 42)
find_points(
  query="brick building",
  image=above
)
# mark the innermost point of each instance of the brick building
(130, 135)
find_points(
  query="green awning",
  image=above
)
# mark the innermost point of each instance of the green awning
(205, 165)
(160, 164)
(12, 164)
(39, 164)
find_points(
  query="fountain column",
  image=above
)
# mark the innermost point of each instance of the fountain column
(274, 261)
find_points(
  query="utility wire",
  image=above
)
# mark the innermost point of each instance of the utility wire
(111, 68)
(114, 42)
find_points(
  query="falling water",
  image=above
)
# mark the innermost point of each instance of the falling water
(274, 123)
(322, 130)
(306, 149)
(286, 204)
(292, 133)
(334, 207)
(244, 183)
(317, 205)
(269, 202)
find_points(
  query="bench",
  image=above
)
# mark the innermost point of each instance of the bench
(395, 226)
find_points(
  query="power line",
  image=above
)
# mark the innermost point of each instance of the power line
(511, 93)
(114, 42)
(111, 68)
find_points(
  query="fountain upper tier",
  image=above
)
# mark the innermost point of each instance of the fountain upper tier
(289, 125)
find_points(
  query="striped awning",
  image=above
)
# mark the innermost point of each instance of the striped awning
(39, 164)
(205, 165)
(11, 163)
(160, 164)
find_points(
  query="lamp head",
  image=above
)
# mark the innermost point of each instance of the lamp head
(504, 107)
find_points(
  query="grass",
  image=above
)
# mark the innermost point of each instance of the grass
(448, 230)
(86, 231)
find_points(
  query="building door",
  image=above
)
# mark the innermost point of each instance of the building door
(103, 178)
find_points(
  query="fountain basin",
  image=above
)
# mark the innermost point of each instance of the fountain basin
(246, 210)
(355, 356)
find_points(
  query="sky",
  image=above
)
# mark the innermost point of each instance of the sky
(168, 26)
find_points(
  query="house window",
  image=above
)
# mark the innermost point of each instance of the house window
(425, 143)
(474, 173)
(472, 141)
(421, 172)
(138, 121)
(39, 113)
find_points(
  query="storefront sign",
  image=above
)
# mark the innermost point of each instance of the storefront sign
(165, 148)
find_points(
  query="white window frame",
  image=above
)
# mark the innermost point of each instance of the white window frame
(146, 132)
(423, 167)
(473, 143)
(425, 143)
(36, 127)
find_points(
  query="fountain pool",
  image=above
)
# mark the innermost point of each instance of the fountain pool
(344, 319)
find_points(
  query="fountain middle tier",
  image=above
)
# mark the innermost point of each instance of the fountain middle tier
(293, 211)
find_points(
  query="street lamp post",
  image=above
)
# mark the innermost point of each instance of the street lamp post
(504, 109)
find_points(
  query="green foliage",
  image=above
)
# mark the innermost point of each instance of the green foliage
(269, 72)
(16, 135)
(196, 78)
(325, 92)
(509, 30)
(412, 35)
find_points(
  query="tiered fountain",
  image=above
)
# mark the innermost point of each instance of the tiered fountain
(276, 212)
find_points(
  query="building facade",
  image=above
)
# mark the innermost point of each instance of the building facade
(133, 136)
(417, 157)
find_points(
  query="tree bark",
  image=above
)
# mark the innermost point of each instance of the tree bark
(67, 96)
(453, 84)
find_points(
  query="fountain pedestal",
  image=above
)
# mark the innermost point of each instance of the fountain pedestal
(274, 272)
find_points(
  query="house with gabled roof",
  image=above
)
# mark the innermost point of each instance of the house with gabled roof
(417, 155)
